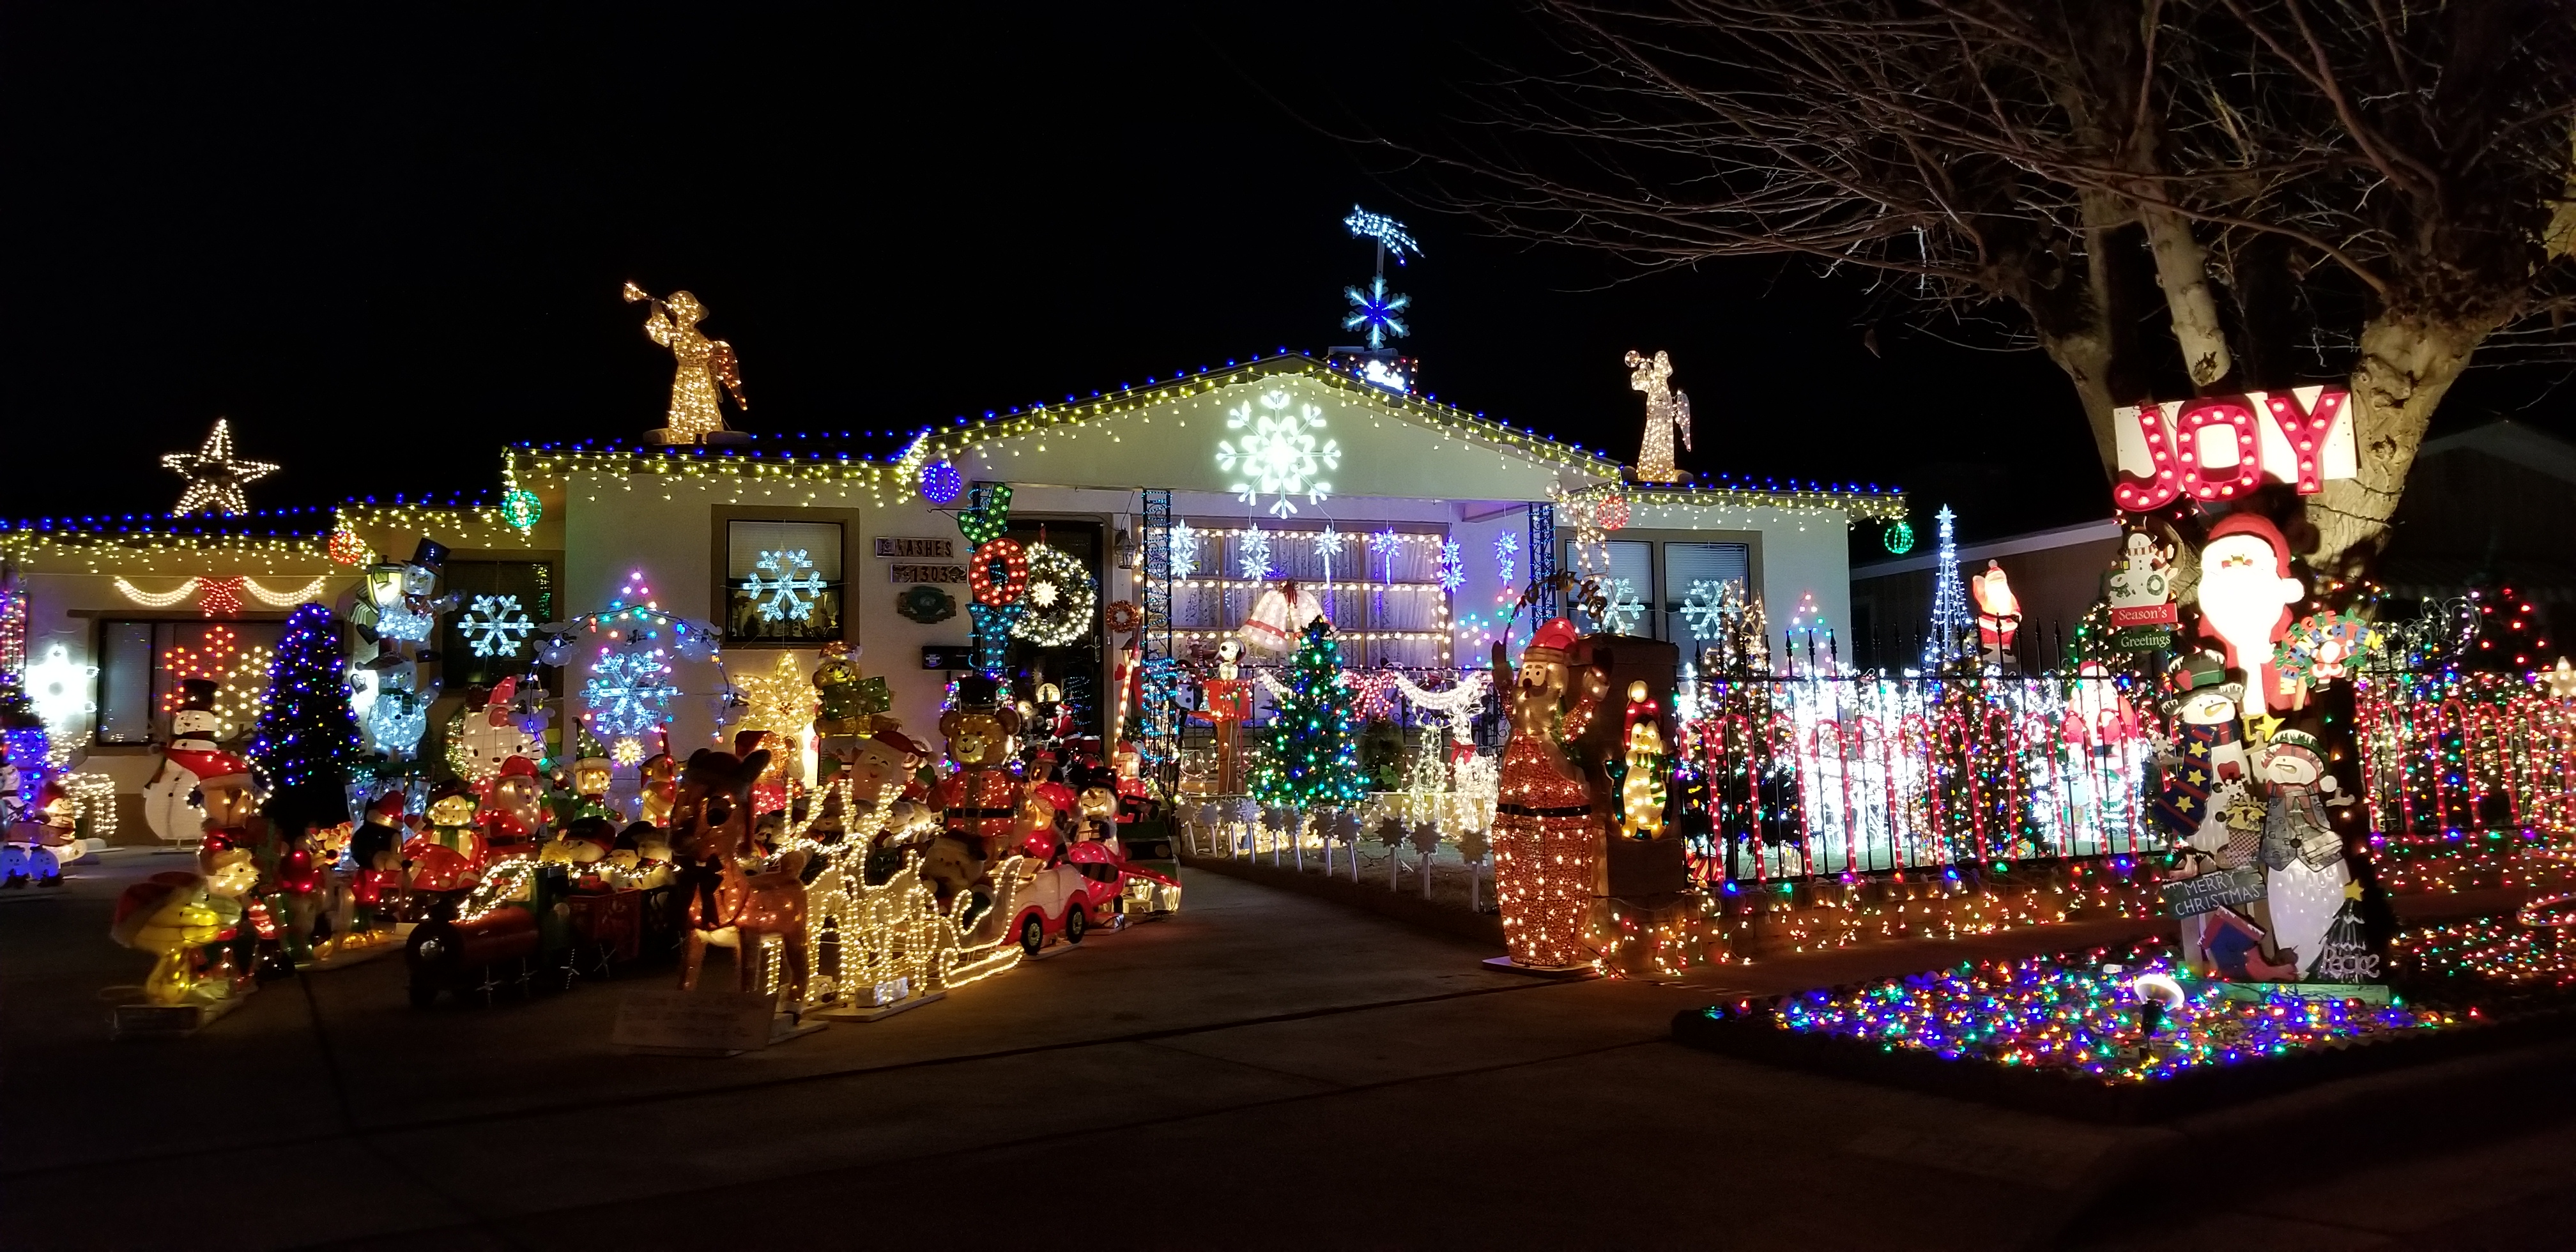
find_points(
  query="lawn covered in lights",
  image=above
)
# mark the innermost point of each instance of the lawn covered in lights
(2083, 1015)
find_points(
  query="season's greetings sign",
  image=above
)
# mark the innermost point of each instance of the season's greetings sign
(2223, 447)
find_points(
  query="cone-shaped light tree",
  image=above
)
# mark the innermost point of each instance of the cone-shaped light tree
(307, 737)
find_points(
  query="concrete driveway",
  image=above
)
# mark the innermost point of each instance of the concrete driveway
(1264, 1070)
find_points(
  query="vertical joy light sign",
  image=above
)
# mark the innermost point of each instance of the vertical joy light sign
(2222, 447)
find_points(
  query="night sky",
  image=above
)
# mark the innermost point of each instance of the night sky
(387, 242)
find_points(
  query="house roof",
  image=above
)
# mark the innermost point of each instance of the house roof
(2508, 440)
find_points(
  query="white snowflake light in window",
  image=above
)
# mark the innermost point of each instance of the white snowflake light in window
(791, 589)
(495, 626)
(1185, 550)
(1279, 451)
(629, 691)
(1254, 554)
(1453, 568)
(1624, 612)
(1705, 609)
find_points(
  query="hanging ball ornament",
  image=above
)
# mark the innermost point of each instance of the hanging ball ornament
(999, 574)
(941, 483)
(1611, 512)
(521, 508)
(348, 549)
(1898, 538)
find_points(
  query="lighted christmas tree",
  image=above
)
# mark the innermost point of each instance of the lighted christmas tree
(307, 738)
(1950, 614)
(1313, 760)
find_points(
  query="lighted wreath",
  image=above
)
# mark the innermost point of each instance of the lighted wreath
(2322, 647)
(926, 604)
(1125, 618)
(1060, 599)
(999, 573)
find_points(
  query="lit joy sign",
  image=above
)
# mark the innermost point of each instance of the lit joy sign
(2222, 447)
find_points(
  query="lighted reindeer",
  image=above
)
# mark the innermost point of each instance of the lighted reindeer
(711, 832)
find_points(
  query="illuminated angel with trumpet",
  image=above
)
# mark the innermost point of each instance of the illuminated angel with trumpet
(703, 365)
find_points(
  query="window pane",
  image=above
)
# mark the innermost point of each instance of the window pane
(1688, 564)
(125, 703)
(1632, 577)
(515, 589)
(782, 604)
(819, 541)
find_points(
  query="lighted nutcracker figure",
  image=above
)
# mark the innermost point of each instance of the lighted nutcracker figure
(979, 800)
(1229, 705)
(1546, 837)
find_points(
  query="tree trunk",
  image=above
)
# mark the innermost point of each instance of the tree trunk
(2406, 365)
(2182, 269)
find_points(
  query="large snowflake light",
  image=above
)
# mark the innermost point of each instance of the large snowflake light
(1279, 451)
(1624, 611)
(791, 589)
(59, 688)
(629, 691)
(1453, 568)
(1705, 610)
(1506, 546)
(1374, 310)
(495, 626)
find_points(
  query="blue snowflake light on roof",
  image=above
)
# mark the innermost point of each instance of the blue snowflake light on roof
(1374, 310)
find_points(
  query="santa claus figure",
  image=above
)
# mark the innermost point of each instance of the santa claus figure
(2245, 596)
(1998, 614)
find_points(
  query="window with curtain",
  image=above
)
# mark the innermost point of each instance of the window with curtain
(782, 582)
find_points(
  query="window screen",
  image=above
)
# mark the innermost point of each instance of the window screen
(782, 582)
(1687, 565)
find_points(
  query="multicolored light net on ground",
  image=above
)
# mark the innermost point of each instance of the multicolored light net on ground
(2082, 1014)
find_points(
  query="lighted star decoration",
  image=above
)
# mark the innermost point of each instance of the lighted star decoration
(783, 700)
(791, 591)
(1279, 453)
(1387, 231)
(215, 477)
(2562, 680)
